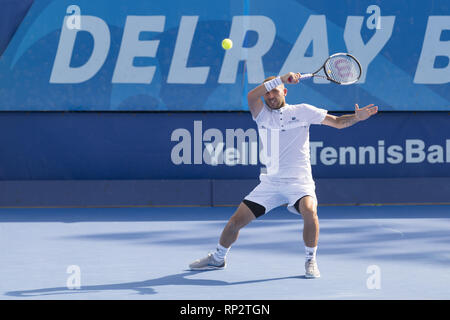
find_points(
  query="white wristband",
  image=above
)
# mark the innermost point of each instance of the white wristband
(272, 84)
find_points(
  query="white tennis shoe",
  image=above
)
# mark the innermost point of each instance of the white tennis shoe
(207, 263)
(311, 269)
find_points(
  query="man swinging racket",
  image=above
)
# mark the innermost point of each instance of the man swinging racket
(288, 178)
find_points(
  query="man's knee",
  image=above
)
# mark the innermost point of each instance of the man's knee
(240, 218)
(309, 213)
(307, 207)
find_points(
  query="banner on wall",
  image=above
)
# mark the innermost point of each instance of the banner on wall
(219, 145)
(167, 55)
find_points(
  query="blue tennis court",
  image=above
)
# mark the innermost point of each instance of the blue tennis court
(365, 252)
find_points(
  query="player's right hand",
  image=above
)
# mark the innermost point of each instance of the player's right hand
(291, 78)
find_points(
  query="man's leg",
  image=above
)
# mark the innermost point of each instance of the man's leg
(242, 216)
(245, 213)
(308, 209)
(307, 206)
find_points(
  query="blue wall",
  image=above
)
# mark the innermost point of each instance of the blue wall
(108, 156)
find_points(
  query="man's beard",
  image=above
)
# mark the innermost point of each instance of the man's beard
(275, 104)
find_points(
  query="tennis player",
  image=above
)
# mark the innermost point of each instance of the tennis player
(288, 178)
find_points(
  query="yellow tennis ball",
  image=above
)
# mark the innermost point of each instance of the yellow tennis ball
(227, 44)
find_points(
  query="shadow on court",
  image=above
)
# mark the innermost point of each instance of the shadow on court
(143, 287)
(362, 239)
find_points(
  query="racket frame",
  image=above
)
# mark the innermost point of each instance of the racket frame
(314, 74)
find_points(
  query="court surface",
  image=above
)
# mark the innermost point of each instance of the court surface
(365, 252)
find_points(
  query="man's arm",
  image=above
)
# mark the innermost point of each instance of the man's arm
(348, 120)
(254, 96)
(255, 103)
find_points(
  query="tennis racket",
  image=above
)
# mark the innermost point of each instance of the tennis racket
(340, 68)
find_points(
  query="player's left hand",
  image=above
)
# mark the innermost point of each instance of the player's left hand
(365, 112)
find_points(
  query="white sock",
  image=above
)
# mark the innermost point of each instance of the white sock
(220, 253)
(310, 253)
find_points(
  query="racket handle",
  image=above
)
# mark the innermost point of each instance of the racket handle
(303, 76)
(306, 76)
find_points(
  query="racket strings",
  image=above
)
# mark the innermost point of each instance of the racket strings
(343, 69)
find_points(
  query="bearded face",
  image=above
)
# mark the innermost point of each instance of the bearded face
(275, 99)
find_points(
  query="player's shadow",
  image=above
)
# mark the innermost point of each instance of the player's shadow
(141, 287)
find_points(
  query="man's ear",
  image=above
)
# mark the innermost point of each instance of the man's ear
(285, 91)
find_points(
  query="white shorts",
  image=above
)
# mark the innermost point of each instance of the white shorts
(271, 194)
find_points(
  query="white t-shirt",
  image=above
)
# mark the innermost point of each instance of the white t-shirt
(284, 135)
